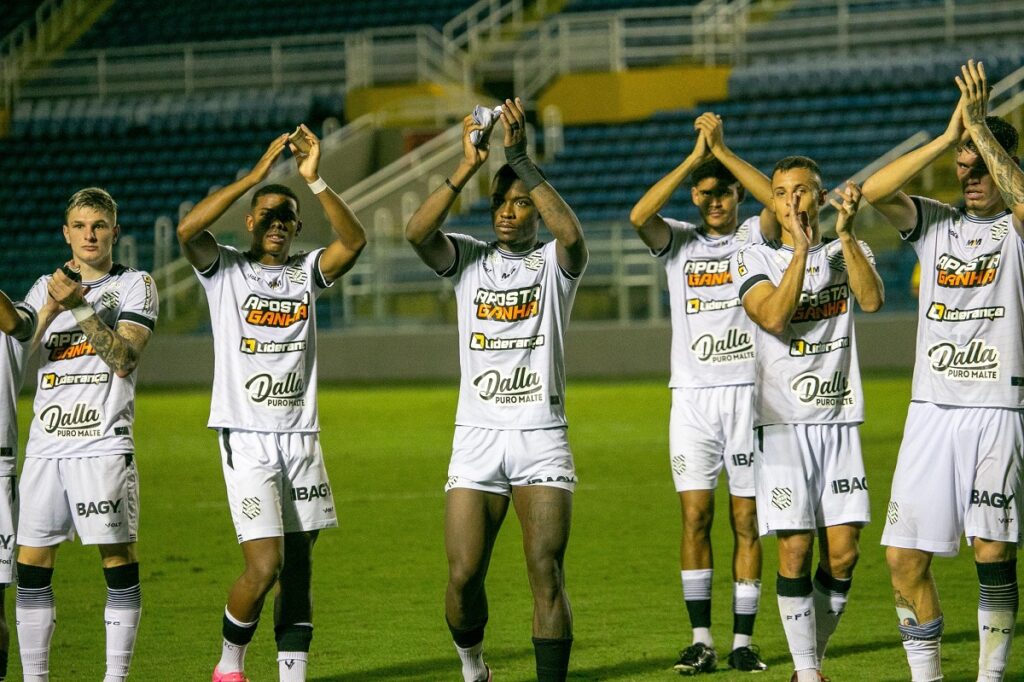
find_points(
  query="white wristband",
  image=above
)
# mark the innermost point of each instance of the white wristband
(83, 312)
(317, 186)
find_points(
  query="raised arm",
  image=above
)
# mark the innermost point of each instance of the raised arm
(1004, 168)
(13, 322)
(653, 230)
(865, 282)
(559, 218)
(884, 189)
(771, 307)
(424, 229)
(340, 255)
(197, 243)
(121, 349)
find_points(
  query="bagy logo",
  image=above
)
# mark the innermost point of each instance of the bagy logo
(976, 361)
(522, 386)
(833, 391)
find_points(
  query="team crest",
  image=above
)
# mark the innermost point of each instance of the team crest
(110, 299)
(534, 261)
(1000, 229)
(296, 275)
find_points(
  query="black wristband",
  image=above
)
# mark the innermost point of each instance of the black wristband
(523, 165)
(452, 186)
(73, 275)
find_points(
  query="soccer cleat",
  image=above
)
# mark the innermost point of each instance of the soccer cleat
(696, 658)
(218, 676)
(746, 659)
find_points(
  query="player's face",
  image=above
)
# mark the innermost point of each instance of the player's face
(273, 223)
(515, 218)
(803, 184)
(981, 197)
(718, 203)
(91, 233)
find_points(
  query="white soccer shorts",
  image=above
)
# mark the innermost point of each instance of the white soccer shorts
(709, 428)
(8, 524)
(958, 472)
(809, 476)
(97, 497)
(276, 483)
(496, 460)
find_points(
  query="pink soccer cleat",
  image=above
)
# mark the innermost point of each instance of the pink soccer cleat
(218, 676)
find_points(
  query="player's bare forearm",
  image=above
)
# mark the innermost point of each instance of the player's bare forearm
(883, 189)
(120, 349)
(339, 257)
(564, 226)
(12, 322)
(1005, 171)
(644, 216)
(865, 282)
(755, 182)
(429, 217)
(772, 307)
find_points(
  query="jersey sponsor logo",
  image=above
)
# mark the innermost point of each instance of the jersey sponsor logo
(974, 243)
(310, 493)
(741, 266)
(50, 380)
(984, 498)
(511, 305)
(522, 386)
(953, 273)
(707, 272)
(842, 486)
(88, 509)
(560, 478)
(831, 301)
(695, 306)
(974, 362)
(68, 346)
(287, 391)
(479, 341)
(82, 421)
(275, 312)
(799, 348)
(253, 346)
(743, 459)
(147, 302)
(7, 541)
(940, 312)
(736, 346)
(816, 391)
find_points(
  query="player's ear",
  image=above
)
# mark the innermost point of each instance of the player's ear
(66, 230)
(694, 195)
(822, 196)
(298, 227)
(117, 232)
(250, 222)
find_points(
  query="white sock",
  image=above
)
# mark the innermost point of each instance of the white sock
(36, 619)
(796, 609)
(122, 624)
(697, 596)
(232, 656)
(746, 597)
(830, 597)
(291, 665)
(922, 644)
(473, 667)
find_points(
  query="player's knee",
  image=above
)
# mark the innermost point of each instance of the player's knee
(842, 560)
(745, 527)
(989, 551)
(264, 570)
(697, 521)
(465, 577)
(907, 565)
(547, 576)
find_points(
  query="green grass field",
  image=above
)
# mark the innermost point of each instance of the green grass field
(379, 579)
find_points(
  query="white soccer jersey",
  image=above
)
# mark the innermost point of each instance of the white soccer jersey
(83, 409)
(264, 340)
(970, 324)
(809, 374)
(13, 354)
(513, 310)
(712, 337)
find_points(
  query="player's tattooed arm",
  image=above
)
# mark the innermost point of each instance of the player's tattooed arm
(12, 321)
(197, 243)
(865, 282)
(651, 227)
(423, 232)
(120, 349)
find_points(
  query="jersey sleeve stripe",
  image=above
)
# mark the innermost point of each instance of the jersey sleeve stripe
(750, 283)
(29, 313)
(137, 319)
(211, 269)
(915, 233)
(318, 274)
(454, 267)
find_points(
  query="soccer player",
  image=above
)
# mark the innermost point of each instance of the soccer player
(712, 382)
(514, 298)
(807, 402)
(263, 310)
(960, 464)
(95, 319)
(17, 324)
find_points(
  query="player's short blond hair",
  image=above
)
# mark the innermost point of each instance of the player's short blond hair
(92, 197)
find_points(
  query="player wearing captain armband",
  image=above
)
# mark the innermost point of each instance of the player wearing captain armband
(264, 404)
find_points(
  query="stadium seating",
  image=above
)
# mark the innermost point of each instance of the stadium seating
(155, 22)
(14, 13)
(605, 5)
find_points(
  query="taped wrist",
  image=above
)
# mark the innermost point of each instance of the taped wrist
(523, 165)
